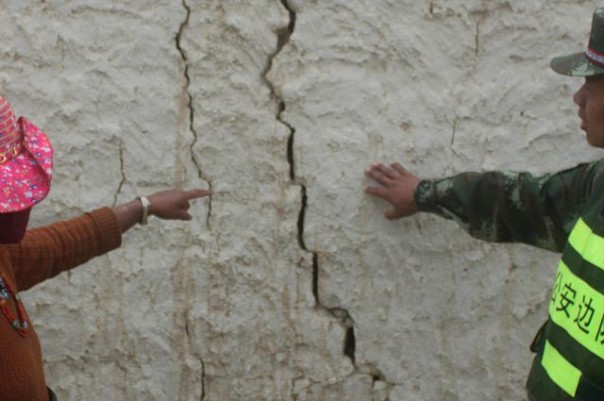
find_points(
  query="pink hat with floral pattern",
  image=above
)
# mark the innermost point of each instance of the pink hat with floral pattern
(25, 162)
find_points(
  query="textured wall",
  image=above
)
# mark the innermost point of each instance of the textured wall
(289, 284)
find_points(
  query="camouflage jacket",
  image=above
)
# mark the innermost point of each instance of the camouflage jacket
(505, 206)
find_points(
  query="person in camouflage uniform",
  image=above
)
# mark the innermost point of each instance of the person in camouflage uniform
(562, 212)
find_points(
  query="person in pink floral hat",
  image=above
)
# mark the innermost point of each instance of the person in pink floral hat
(30, 257)
(25, 171)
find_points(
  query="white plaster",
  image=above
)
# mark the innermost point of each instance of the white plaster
(223, 308)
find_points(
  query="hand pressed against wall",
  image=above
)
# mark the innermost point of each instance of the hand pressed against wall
(397, 187)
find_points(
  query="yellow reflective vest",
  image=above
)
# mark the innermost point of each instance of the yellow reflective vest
(570, 361)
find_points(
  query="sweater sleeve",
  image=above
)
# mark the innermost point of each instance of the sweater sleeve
(47, 251)
(505, 206)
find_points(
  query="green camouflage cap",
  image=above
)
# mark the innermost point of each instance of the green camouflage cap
(590, 62)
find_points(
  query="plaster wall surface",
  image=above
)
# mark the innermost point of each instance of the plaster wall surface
(289, 284)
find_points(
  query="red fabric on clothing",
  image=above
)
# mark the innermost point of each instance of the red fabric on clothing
(13, 226)
(44, 253)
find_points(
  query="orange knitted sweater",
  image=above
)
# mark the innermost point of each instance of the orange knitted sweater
(44, 253)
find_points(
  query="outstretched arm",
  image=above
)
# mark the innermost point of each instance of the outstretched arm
(496, 206)
(172, 204)
(47, 251)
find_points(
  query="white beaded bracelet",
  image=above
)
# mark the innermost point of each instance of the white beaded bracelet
(145, 203)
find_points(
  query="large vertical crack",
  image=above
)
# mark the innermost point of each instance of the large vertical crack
(283, 38)
(190, 105)
(196, 163)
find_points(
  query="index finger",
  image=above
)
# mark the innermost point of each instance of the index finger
(196, 193)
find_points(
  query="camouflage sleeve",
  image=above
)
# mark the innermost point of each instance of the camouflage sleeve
(512, 207)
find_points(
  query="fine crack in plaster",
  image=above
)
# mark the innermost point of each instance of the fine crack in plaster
(122, 172)
(200, 174)
(201, 361)
(454, 131)
(477, 39)
(185, 60)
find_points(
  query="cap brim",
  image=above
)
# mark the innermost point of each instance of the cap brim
(575, 65)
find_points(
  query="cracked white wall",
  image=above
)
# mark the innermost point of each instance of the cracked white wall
(290, 285)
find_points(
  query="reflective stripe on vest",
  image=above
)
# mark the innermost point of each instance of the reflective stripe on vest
(577, 308)
(588, 244)
(562, 372)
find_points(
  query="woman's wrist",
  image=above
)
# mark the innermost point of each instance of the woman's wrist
(146, 209)
(128, 214)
